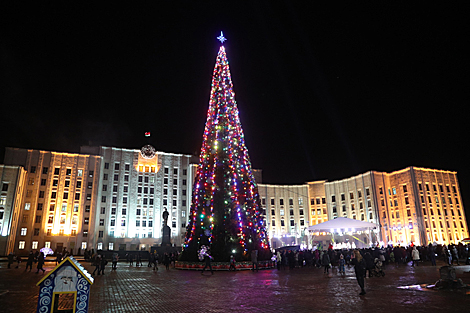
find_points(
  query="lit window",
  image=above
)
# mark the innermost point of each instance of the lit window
(21, 245)
(100, 246)
(111, 246)
(27, 206)
(84, 245)
(34, 245)
(47, 244)
(24, 230)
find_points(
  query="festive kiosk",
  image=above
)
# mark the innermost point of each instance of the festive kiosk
(65, 289)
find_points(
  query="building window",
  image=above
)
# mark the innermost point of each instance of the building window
(53, 195)
(24, 230)
(100, 234)
(21, 245)
(101, 222)
(100, 246)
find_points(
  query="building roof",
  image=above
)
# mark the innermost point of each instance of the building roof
(76, 265)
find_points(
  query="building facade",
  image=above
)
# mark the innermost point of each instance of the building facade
(286, 211)
(107, 198)
(12, 188)
(420, 205)
(59, 199)
(135, 188)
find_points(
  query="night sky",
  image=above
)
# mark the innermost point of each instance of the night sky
(324, 93)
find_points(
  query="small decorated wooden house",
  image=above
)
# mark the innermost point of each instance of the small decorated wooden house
(65, 289)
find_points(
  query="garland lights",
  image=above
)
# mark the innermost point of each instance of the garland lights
(225, 208)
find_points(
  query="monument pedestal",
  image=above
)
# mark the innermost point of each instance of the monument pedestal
(166, 236)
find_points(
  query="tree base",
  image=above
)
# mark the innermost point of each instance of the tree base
(222, 266)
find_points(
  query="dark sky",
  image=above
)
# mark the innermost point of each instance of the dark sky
(323, 92)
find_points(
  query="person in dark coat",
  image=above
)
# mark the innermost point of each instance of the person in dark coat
(207, 259)
(359, 268)
(29, 262)
(369, 263)
(326, 262)
(115, 259)
(97, 264)
(41, 259)
(11, 259)
(103, 263)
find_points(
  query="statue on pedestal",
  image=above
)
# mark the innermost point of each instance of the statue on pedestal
(166, 229)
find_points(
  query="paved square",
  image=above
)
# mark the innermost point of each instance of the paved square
(139, 289)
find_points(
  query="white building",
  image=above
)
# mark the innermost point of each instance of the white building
(286, 213)
(135, 188)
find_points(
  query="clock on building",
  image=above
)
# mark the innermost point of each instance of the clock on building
(147, 152)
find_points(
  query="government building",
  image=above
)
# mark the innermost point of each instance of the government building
(107, 198)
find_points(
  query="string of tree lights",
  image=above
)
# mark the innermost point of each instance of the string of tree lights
(226, 208)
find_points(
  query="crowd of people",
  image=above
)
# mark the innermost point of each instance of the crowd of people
(33, 257)
(368, 262)
(452, 255)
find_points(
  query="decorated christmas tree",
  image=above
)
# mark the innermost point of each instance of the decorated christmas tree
(225, 209)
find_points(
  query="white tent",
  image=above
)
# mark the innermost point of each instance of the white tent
(341, 225)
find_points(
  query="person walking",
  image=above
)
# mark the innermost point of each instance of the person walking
(115, 259)
(97, 264)
(18, 261)
(103, 263)
(166, 261)
(341, 263)
(207, 259)
(455, 255)
(278, 260)
(447, 255)
(359, 269)
(41, 259)
(254, 260)
(29, 262)
(415, 256)
(11, 258)
(155, 261)
(232, 264)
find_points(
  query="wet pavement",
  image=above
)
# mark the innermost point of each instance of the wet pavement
(139, 289)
